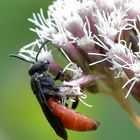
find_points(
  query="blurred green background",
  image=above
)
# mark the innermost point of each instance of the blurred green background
(20, 115)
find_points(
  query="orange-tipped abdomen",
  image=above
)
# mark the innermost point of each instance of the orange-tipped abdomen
(70, 119)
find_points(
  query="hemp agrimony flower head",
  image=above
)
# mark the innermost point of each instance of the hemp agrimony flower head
(99, 40)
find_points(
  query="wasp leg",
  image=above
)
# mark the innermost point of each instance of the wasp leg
(63, 76)
(49, 87)
(58, 75)
(75, 104)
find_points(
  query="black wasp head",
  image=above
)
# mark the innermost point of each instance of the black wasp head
(39, 67)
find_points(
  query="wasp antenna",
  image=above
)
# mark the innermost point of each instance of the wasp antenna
(44, 43)
(20, 57)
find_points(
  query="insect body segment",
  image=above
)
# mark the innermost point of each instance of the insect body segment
(70, 119)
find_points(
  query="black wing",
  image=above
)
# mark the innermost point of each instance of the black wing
(52, 119)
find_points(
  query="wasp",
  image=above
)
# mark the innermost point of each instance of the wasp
(48, 95)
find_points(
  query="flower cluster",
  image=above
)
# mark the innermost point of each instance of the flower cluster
(100, 39)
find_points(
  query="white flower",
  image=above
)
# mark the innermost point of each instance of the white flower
(48, 29)
(133, 4)
(30, 51)
(71, 66)
(65, 21)
(122, 59)
(87, 37)
(110, 24)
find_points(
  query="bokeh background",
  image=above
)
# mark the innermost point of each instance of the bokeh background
(20, 115)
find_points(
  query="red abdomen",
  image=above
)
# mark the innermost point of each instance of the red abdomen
(70, 119)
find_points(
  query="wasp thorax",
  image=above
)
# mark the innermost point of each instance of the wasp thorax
(38, 67)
